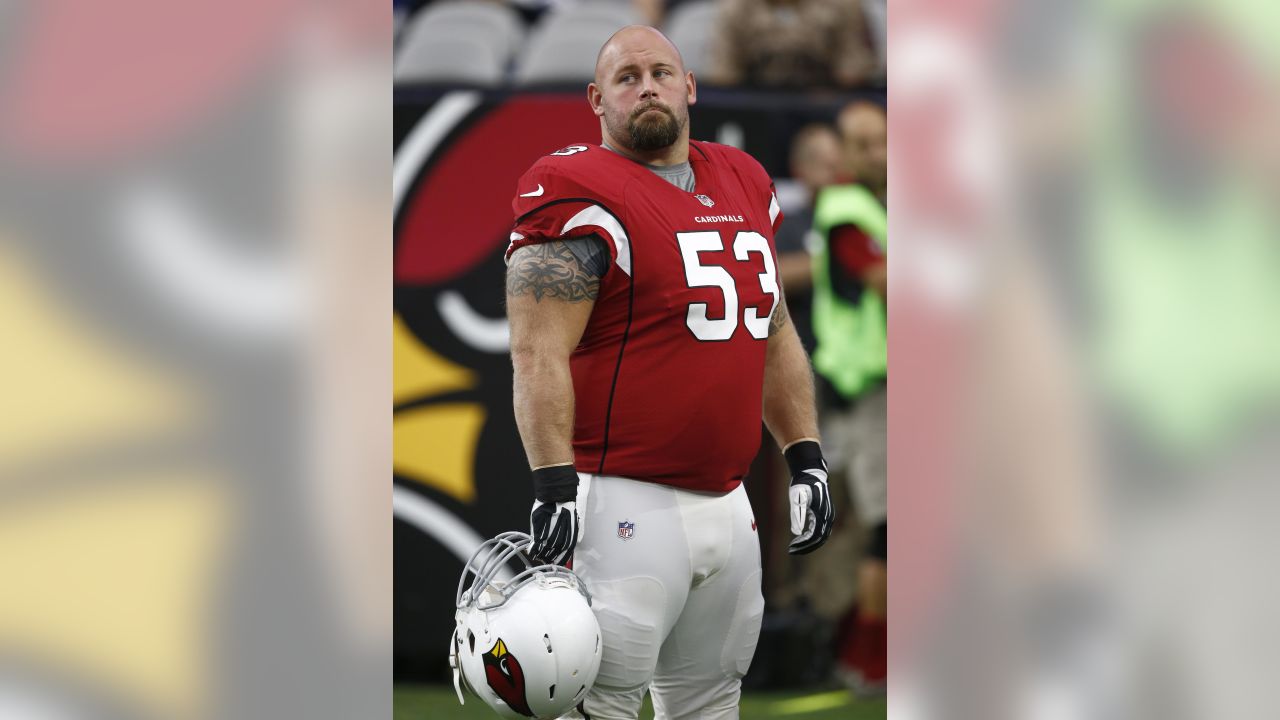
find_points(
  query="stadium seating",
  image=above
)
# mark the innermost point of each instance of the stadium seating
(464, 42)
(689, 27)
(876, 13)
(562, 47)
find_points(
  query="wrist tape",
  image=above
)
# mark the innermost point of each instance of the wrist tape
(558, 483)
(804, 455)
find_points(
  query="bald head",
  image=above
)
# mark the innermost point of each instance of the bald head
(858, 115)
(864, 134)
(815, 156)
(642, 93)
(633, 38)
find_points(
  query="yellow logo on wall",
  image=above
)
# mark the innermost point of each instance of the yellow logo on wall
(434, 442)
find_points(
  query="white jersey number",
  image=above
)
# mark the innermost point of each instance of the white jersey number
(571, 150)
(699, 275)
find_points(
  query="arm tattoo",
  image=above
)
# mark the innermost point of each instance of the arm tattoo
(550, 270)
(780, 316)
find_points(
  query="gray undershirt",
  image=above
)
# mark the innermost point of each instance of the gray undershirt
(679, 175)
(591, 250)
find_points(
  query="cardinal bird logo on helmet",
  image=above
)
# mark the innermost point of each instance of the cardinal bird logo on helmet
(506, 677)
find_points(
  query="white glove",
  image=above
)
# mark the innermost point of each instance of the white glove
(811, 513)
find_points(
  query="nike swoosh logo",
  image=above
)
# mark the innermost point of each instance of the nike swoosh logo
(535, 193)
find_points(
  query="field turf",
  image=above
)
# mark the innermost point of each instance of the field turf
(435, 702)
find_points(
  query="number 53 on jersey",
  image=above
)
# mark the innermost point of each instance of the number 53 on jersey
(698, 274)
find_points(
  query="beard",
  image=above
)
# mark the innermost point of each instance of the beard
(653, 132)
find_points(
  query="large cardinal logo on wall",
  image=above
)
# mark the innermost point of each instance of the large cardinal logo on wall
(461, 473)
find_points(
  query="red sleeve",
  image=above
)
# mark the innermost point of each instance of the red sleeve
(854, 250)
(551, 205)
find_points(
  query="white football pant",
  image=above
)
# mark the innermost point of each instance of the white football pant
(674, 577)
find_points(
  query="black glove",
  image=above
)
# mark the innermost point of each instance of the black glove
(811, 511)
(553, 523)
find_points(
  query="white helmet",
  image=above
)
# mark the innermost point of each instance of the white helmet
(530, 646)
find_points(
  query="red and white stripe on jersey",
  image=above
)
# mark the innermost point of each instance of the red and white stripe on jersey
(570, 219)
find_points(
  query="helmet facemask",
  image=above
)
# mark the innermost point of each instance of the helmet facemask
(526, 642)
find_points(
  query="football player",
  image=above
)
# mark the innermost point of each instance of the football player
(649, 336)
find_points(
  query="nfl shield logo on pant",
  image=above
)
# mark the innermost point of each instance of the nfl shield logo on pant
(626, 530)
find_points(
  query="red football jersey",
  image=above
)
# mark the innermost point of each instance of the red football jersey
(669, 375)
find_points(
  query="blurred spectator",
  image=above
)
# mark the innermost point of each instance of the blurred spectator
(849, 321)
(791, 43)
(652, 11)
(656, 12)
(531, 10)
(815, 163)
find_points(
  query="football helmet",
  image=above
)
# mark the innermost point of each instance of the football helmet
(528, 646)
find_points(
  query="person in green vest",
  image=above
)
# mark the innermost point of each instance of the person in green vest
(849, 323)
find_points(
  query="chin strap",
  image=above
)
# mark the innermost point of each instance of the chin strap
(458, 680)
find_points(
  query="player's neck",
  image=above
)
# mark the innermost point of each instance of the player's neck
(674, 154)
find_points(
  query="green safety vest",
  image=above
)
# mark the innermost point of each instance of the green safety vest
(851, 348)
(1182, 335)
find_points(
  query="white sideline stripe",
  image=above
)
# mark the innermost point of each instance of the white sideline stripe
(435, 521)
(188, 262)
(424, 138)
(440, 524)
(596, 215)
(492, 335)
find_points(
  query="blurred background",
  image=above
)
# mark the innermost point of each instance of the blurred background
(482, 90)
(1083, 426)
(195, 278)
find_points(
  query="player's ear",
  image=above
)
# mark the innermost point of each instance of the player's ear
(595, 97)
(691, 86)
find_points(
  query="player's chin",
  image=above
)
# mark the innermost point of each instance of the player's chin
(654, 135)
